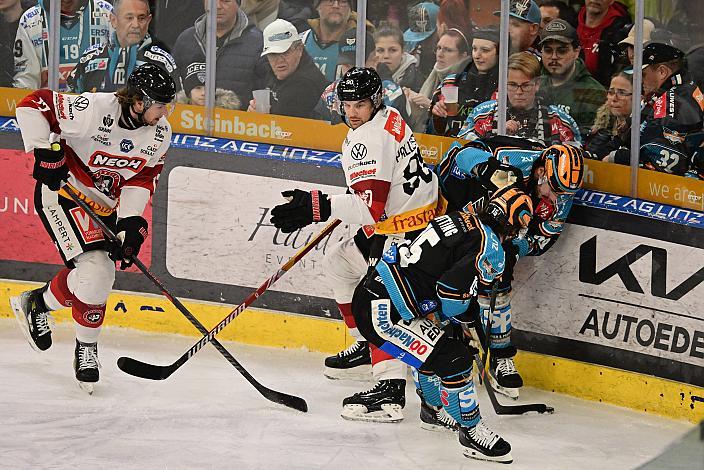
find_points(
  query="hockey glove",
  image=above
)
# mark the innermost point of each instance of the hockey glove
(50, 167)
(132, 231)
(303, 209)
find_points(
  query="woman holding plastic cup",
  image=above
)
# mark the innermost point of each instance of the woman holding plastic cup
(475, 83)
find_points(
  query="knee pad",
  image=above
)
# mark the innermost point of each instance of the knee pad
(451, 358)
(344, 266)
(92, 279)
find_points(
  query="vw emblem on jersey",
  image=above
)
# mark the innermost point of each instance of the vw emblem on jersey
(126, 145)
(359, 151)
(80, 103)
(108, 120)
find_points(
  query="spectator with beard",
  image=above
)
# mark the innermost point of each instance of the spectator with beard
(565, 80)
(321, 40)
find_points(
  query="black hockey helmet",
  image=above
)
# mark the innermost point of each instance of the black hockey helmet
(509, 210)
(360, 83)
(153, 83)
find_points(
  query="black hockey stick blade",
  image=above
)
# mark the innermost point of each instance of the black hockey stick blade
(155, 372)
(500, 409)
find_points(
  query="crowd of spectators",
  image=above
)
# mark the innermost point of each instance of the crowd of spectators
(570, 76)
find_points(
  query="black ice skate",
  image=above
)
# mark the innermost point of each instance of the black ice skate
(85, 363)
(382, 404)
(33, 317)
(435, 418)
(353, 363)
(481, 443)
(504, 377)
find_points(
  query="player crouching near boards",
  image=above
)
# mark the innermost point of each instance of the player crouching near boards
(111, 152)
(394, 196)
(551, 177)
(434, 280)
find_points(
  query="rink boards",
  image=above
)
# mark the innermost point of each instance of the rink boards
(612, 313)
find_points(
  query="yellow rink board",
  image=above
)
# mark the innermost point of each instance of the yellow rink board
(153, 313)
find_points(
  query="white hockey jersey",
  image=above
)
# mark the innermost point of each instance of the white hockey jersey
(392, 189)
(107, 163)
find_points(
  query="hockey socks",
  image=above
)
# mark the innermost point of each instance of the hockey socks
(433, 416)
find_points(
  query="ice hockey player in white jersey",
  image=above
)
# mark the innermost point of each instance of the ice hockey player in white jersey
(393, 195)
(111, 151)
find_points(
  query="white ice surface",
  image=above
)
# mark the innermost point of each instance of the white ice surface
(207, 416)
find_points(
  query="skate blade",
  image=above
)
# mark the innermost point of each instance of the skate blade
(389, 413)
(87, 387)
(475, 454)
(511, 393)
(437, 428)
(16, 304)
(361, 373)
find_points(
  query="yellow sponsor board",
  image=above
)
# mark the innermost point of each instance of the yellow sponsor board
(289, 131)
(266, 328)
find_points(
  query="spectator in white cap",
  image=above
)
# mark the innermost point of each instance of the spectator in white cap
(524, 26)
(628, 44)
(295, 82)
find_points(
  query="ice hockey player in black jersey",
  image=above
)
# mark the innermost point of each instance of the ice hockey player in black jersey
(469, 174)
(434, 280)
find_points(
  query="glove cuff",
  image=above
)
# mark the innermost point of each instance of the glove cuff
(320, 206)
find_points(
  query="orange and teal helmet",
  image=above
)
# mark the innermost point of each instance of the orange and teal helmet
(564, 167)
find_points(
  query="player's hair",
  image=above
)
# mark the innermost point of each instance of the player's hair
(125, 98)
(116, 4)
(525, 62)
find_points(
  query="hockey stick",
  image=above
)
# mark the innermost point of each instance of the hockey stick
(499, 409)
(290, 401)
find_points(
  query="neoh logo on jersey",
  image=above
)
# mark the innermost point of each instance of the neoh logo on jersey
(103, 160)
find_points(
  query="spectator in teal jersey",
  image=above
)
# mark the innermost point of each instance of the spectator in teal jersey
(84, 23)
(321, 40)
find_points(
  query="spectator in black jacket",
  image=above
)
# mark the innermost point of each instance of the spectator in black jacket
(239, 45)
(294, 80)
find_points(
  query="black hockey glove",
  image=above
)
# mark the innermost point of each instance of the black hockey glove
(303, 209)
(50, 167)
(132, 231)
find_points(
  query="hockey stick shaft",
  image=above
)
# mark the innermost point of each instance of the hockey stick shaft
(277, 397)
(485, 342)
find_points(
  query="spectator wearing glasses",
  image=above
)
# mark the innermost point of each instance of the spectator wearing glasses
(239, 46)
(321, 40)
(526, 116)
(452, 56)
(565, 80)
(295, 82)
(105, 67)
(601, 25)
(612, 125)
(477, 83)
(673, 110)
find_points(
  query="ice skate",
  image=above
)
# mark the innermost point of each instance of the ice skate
(481, 443)
(33, 317)
(353, 363)
(382, 403)
(86, 365)
(435, 418)
(504, 377)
